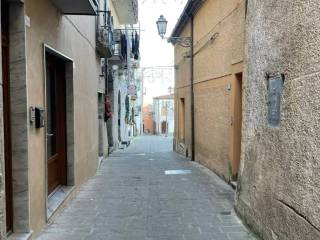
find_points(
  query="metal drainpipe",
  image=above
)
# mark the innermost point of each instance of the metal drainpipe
(192, 92)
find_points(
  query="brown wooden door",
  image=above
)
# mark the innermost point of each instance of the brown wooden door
(56, 122)
(6, 114)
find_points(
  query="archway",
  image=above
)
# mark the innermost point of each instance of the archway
(164, 126)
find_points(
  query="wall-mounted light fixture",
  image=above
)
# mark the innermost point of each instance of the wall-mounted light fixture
(162, 29)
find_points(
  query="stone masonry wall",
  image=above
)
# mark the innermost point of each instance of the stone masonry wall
(2, 183)
(279, 190)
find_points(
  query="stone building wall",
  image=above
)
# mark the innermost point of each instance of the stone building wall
(2, 165)
(278, 193)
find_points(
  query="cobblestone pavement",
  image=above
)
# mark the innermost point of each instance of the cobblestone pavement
(131, 198)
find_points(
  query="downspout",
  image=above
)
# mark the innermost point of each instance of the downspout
(192, 91)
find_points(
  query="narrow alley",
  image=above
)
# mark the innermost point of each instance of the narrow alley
(135, 196)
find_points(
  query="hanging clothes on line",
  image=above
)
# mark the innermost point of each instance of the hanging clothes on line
(136, 46)
(133, 48)
(124, 46)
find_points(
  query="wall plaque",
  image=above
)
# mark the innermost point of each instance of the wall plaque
(275, 85)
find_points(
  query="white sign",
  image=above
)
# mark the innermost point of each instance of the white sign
(132, 90)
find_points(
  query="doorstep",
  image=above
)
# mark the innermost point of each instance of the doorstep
(57, 199)
(100, 160)
(20, 236)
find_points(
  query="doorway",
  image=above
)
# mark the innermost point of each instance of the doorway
(101, 109)
(237, 124)
(6, 114)
(164, 126)
(181, 119)
(56, 123)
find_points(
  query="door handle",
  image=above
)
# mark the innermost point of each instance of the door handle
(50, 134)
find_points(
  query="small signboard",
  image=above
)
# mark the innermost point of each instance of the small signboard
(275, 85)
(132, 90)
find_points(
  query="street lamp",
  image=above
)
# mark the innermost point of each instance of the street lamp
(162, 29)
(162, 26)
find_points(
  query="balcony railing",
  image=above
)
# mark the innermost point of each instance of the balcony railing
(104, 33)
(104, 42)
(116, 58)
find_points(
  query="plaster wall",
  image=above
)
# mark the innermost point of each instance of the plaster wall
(73, 36)
(183, 90)
(224, 21)
(279, 191)
(183, 146)
(212, 124)
(218, 56)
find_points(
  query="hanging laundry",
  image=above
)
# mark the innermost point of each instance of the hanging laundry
(136, 45)
(124, 46)
(108, 108)
(133, 48)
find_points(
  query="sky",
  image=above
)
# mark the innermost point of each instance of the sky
(157, 55)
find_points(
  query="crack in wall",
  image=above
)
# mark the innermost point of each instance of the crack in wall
(299, 214)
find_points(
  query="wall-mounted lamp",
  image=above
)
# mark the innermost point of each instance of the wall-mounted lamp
(162, 24)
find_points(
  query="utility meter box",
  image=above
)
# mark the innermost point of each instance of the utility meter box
(39, 117)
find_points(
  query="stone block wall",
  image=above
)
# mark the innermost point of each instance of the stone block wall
(278, 192)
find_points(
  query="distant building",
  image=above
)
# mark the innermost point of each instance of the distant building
(163, 115)
(148, 122)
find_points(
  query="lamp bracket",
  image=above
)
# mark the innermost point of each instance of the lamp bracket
(181, 41)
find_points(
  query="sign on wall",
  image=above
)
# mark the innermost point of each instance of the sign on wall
(132, 89)
(275, 86)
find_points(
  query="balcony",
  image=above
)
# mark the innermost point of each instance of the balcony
(127, 11)
(104, 43)
(110, 81)
(116, 58)
(76, 7)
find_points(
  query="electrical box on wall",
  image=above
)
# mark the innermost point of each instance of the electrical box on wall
(32, 115)
(39, 117)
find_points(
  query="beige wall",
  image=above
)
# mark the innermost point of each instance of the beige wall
(215, 64)
(183, 92)
(73, 36)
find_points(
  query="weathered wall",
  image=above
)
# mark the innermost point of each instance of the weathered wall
(212, 118)
(183, 90)
(218, 55)
(279, 190)
(2, 166)
(73, 36)
(214, 59)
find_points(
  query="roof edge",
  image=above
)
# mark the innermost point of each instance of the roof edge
(192, 6)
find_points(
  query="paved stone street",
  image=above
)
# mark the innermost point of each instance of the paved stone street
(132, 198)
